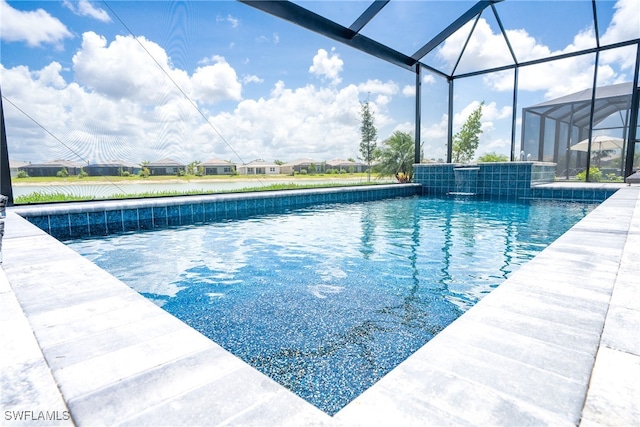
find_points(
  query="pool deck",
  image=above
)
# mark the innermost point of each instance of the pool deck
(558, 343)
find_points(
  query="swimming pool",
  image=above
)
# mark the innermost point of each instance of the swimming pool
(328, 300)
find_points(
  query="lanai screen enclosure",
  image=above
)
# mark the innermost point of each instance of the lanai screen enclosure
(551, 74)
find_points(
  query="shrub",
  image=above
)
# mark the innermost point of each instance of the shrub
(22, 174)
(126, 173)
(612, 177)
(144, 173)
(62, 173)
(82, 173)
(303, 171)
(493, 157)
(595, 175)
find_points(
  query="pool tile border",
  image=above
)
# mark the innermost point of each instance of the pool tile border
(546, 359)
(101, 218)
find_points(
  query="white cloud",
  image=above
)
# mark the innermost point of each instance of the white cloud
(376, 86)
(235, 22)
(327, 67)
(122, 106)
(304, 122)
(625, 25)
(428, 79)
(252, 79)
(409, 90)
(86, 8)
(555, 78)
(625, 22)
(35, 28)
(275, 39)
(129, 68)
(214, 83)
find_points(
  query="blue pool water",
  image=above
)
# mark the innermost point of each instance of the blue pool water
(326, 301)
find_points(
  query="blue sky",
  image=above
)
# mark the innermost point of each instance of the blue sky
(89, 73)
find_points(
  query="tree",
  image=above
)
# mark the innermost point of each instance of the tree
(396, 156)
(144, 170)
(465, 142)
(192, 168)
(368, 134)
(493, 157)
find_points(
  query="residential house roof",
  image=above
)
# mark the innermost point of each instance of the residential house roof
(114, 163)
(299, 162)
(216, 162)
(167, 163)
(60, 163)
(259, 162)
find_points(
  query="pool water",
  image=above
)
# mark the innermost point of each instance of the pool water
(326, 301)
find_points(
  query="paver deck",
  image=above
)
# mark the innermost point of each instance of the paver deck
(558, 343)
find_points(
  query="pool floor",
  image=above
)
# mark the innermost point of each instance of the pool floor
(328, 300)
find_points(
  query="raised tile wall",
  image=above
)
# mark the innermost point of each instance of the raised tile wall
(77, 220)
(503, 179)
(519, 180)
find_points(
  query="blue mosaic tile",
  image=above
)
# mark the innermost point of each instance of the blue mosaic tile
(42, 222)
(130, 220)
(242, 206)
(114, 221)
(78, 225)
(198, 213)
(209, 210)
(145, 218)
(160, 217)
(173, 215)
(229, 210)
(59, 226)
(98, 224)
(186, 214)
(278, 201)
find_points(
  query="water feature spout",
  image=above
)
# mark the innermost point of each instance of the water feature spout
(466, 179)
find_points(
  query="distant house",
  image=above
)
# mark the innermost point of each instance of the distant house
(16, 166)
(217, 167)
(259, 167)
(300, 164)
(112, 168)
(347, 165)
(52, 168)
(165, 167)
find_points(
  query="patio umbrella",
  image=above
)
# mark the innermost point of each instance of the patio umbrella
(599, 143)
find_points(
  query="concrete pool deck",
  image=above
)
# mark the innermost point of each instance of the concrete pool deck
(558, 343)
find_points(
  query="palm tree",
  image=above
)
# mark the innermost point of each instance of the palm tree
(396, 156)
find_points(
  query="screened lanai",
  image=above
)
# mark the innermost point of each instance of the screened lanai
(555, 131)
(138, 82)
(544, 127)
